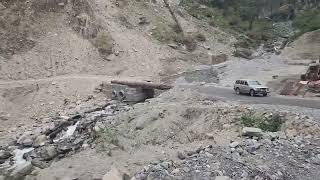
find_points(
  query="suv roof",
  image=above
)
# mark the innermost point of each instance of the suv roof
(245, 80)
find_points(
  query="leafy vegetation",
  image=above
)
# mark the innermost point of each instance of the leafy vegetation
(272, 123)
(107, 137)
(308, 21)
(253, 18)
(104, 43)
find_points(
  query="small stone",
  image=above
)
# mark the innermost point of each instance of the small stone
(226, 126)
(111, 57)
(181, 155)
(143, 21)
(291, 133)
(114, 174)
(96, 177)
(210, 135)
(186, 169)
(175, 172)
(234, 144)
(190, 153)
(27, 143)
(208, 154)
(173, 46)
(222, 178)
(69, 178)
(166, 164)
(251, 131)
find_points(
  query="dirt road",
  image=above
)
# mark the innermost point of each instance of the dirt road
(229, 94)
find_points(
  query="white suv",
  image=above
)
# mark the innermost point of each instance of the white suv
(252, 87)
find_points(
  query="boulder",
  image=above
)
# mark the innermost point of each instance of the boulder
(26, 139)
(243, 53)
(21, 170)
(40, 164)
(181, 155)
(40, 141)
(234, 144)
(115, 174)
(5, 154)
(48, 153)
(219, 58)
(251, 131)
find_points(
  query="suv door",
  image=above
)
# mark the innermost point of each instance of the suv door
(246, 87)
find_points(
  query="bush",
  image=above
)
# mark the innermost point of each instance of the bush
(307, 21)
(272, 123)
(105, 138)
(104, 43)
(200, 37)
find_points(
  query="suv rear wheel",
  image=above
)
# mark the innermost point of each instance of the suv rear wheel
(238, 91)
(252, 92)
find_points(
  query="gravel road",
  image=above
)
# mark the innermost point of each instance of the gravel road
(229, 94)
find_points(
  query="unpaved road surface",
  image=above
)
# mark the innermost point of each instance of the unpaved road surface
(230, 95)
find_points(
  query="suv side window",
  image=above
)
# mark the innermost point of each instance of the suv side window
(237, 82)
(241, 82)
(246, 83)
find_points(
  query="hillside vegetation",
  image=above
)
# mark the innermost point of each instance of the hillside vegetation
(257, 19)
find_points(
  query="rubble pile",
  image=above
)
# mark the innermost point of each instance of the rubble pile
(54, 141)
(271, 157)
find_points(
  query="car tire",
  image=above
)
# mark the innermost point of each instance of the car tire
(252, 93)
(238, 91)
(265, 95)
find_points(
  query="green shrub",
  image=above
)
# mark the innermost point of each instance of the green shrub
(104, 43)
(272, 123)
(105, 138)
(307, 21)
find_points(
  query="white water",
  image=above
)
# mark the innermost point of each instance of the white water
(68, 133)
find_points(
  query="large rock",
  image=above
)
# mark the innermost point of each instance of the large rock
(219, 58)
(48, 153)
(26, 139)
(243, 52)
(251, 131)
(21, 170)
(40, 164)
(5, 154)
(40, 141)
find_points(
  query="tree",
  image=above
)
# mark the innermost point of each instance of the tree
(249, 11)
(173, 16)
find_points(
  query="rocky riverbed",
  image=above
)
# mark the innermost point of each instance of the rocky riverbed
(200, 138)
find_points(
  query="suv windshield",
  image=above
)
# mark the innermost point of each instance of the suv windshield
(254, 83)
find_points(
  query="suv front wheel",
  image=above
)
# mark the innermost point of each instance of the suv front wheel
(252, 93)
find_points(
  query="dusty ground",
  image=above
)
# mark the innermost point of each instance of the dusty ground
(156, 130)
(63, 62)
(304, 49)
